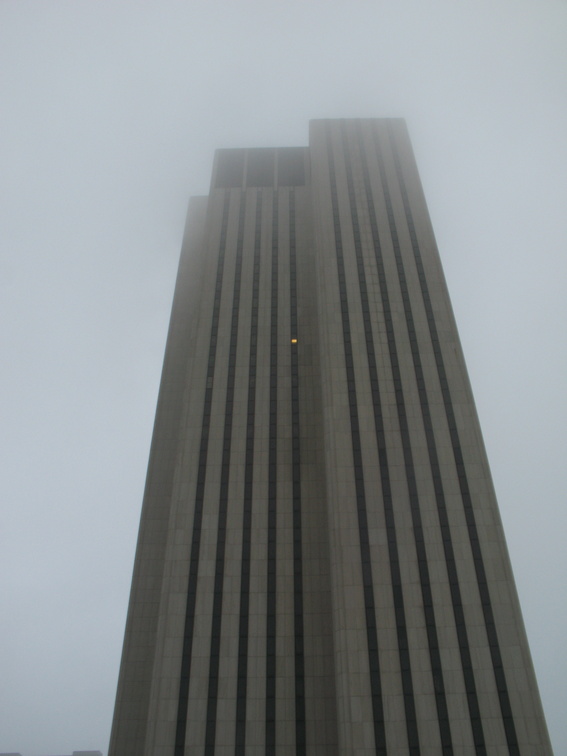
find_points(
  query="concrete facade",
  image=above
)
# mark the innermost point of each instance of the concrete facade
(321, 567)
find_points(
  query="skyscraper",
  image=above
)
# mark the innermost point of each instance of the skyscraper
(321, 567)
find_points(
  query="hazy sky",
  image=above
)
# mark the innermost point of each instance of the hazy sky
(110, 113)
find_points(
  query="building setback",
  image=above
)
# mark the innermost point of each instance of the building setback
(321, 568)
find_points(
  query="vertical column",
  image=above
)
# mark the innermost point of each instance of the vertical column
(244, 620)
(272, 493)
(300, 740)
(199, 499)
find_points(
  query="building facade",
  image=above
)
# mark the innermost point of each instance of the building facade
(321, 568)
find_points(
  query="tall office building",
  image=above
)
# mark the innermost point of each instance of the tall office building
(321, 568)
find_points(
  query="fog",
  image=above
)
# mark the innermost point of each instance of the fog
(111, 112)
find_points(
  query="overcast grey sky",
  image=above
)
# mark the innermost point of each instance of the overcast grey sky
(111, 112)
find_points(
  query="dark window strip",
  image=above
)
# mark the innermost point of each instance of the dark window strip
(214, 662)
(300, 743)
(425, 582)
(272, 499)
(183, 700)
(458, 612)
(242, 673)
(368, 586)
(492, 636)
